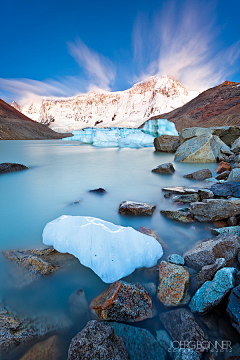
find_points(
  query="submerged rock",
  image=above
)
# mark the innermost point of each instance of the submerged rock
(214, 209)
(92, 238)
(10, 167)
(140, 343)
(97, 341)
(208, 271)
(233, 308)
(78, 305)
(226, 189)
(178, 215)
(199, 175)
(152, 233)
(208, 251)
(167, 143)
(173, 285)
(44, 350)
(123, 302)
(176, 259)
(164, 169)
(212, 292)
(222, 167)
(99, 191)
(135, 208)
(186, 198)
(182, 326)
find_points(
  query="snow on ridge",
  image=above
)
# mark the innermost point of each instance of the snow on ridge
(129, 108)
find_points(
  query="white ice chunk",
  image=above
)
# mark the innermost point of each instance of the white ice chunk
(136, 140)
(111, 251)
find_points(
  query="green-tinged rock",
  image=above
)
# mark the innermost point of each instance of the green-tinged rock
(178, 215)
(186, 198)
(212, 292)
(176, 259)
(235, 230)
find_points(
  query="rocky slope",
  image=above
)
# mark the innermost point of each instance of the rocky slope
(217, 106)
(16, 126)
(129, 108)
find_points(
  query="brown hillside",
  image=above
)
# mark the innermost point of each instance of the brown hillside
(16, 126)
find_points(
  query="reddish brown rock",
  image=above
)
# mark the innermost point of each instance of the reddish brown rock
(47, 350)
(135, 208)
(173, 285)
(123, 302)
(219, 224)
(223, 166)
(152, 233)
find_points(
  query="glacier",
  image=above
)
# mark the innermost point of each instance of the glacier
(110, 250)
(125, 137)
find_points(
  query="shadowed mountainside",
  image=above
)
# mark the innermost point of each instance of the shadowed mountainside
(217, 106)
(16, 126)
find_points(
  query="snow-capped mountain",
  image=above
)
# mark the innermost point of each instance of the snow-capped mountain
(129, 108)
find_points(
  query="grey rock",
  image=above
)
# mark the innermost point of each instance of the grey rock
(10, 167)
(186, 354)
(205, 194)
(186, 198)
(167, 143)
(199, 175)
(178, 215)
(223, 176)
(237, 159)
(135, 208)
(236, 146)
(234, 175)
(140, 343)
(182, 326)
(208, 271)
(208, 251)
(181, 190)
(97, 341)
(214, 209)
(167, 168)
(232, 221)
(227, 230)
(212, 292)
(176, 259)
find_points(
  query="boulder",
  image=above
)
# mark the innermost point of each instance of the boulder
(152, 233)
(236, 145)
(178, 215)
(167, 143)
(208, 271)
(176, 259)
(47, 350)
(186, 198)
(208, 251)
(202, 149)
(122, 301)
(99, 191)
(97, 341)
(214, 209)
(235, 230)
(233, 308)
(182, 326)
(223, 166)
(223, 176)
(135, 208)
(199, 175)
(212, 292)
(10, 167)
(140, 343)
(226, 189)
(173, 285)
(234, 175)
(180, 190)
(164, 169)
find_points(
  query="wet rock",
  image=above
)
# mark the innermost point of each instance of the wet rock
(164, 169)
(36, 263)
(135, 208)
(151, 232)
(99, 191)
(208, 271)
(199, 175)
(123, 302)
(208, 251)
(202, 149)
(223, 176)
(151, 288)
(167, 195)
(186, 198)
(47, 350)
(227, 230)
(212, 292)
(181, 190)
(16, 328)
(205, 194)
(77, 202)
(186, 354)
(232, 221)
(234, 175)
(178, 215)
(167, 143)
(233, 308)
(140, 343)
(78, 305)
(97, 341)
(236, 146)
(182, 326)
(222, 167)
(176, 259)
(173, 285)
(226, 189)
(214, 209)
(10, 167)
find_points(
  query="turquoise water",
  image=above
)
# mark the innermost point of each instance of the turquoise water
(62, 172)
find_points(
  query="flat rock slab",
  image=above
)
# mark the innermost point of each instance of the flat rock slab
(140, 343)
(208, 251)
(135, 208)
(226, 189)
(181, 190)
(178, 215)
(97, 341)
(233, 308)
(123, 302)
(214, 209)
(10, 167)
(212, 292)
(199, 175)
(167, 168)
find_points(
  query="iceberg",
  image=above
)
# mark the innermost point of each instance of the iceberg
(110, 250)
(158, 127)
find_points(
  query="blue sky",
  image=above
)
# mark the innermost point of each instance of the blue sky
(62, 48)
